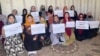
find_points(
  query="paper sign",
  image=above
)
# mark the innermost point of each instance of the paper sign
(58, 28)
(94, 24)
(59, 13)
(13, 29)
(37, 29)
(19, 18)
(70, 24)
(71, 13)
(35, 16)
(82, 24)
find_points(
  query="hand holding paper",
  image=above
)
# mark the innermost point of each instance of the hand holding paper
(37, 29)
(13, 29)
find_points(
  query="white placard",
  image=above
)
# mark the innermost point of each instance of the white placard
(37, 29)
(35, 16)
(70, 24)
(71, 13)
(94, 24)
(19, 18)
(58, 28)
(82, 24)
(59, 13)
(12, 29)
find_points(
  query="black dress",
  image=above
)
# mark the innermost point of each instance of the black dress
(29, 43)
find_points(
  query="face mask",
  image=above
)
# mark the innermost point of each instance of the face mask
(89, 16)
(43, 9)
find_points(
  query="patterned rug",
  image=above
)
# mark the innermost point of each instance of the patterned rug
(65, 49)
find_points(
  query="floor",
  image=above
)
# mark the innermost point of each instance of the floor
(90, 47)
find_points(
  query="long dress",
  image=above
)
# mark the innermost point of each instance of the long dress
(29, 43)
(56, 38)
(13, 45)
(69, 39)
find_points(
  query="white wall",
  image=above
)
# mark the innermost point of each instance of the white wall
(83, 6)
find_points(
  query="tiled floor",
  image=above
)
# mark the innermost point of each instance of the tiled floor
(90, 47)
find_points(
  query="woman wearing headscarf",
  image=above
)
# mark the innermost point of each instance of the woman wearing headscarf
(50, 9)
(45, 38)
(33, 9)
(75, 13)
(69, 33)
(91, 32)
(1, 26)
(64, 10)
(42, 12)
(31, 42)
(13, 45)
(24, 15)
(59, 37)
(80, 35)
(14, 12)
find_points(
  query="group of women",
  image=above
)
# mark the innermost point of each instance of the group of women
(16, 44)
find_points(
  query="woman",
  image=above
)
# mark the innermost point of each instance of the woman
(80, 32)
(75, 13)
(50, 9)
(69, 34)
(13, 45)
(24, 15)
(14, 12)
(64, 10)
(91, 32)
(33, 9)
(45, 38)
(31, 42)
(42, 12)
(59, 37)
(1, 25)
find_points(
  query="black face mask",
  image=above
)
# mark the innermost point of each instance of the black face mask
(89, 16)
(43, 9)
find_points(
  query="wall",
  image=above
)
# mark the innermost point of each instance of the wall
(83, 6)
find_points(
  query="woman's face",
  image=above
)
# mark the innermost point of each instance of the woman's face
(30, 19)
(33, 9)
(81, 17)
(56, 19)
(51, 7)
(72, 8)
(66, 15)
(25, 12)
(65, 8)
(11, 19)
(14, 12)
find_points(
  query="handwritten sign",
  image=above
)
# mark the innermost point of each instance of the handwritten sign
(19, 18)
(94, 24)
(59, 13)
(35, 16)
(71, 13)
(70, 24)
(58, 28)
(82, 25)
(12, 29)
(37, 29)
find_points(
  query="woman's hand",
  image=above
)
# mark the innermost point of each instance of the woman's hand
(42, 38)
(35, 38)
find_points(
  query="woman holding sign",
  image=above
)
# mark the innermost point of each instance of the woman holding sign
(44, 37)
(69, 34)
(75, 13)
(13, 45)
(57, 38)
(31, 42)
(80, 35)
